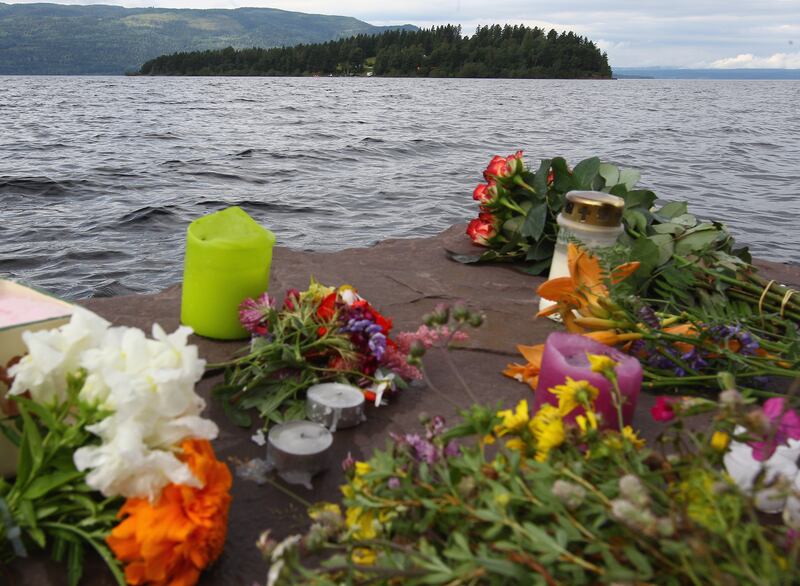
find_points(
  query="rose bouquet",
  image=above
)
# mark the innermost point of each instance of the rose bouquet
(318, 335)
(518, 206)
(555, 500)
(113, 454)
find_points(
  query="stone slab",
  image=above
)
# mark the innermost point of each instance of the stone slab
(404, 279)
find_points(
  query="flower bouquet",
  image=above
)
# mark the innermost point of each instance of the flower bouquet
(678, 349)
(318, 335)
(113, 454)
(557, 500)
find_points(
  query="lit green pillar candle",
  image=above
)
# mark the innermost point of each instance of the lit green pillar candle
(228, 257)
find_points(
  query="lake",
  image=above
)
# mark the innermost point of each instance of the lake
(100, 176)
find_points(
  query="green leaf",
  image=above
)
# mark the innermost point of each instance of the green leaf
(237, 416)
(584, 173)
(540, 179)
(44, 484)
(512, 226)
(542, 250)
(535, 221)
(30, 449)
(673, 209)
(641, 198)
(668, 228)
(610, 173)
(686, 220)
(695, 242)
(666, 247)
(562, 178)
(74, 564)
(635, 220)
(629, 177)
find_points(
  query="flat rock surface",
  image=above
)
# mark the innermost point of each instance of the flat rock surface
(404, 279)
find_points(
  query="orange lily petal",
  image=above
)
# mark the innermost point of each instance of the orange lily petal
(532, 354)
(558, 289)
(624, 271)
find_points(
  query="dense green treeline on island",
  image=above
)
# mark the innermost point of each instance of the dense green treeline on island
(493, 51)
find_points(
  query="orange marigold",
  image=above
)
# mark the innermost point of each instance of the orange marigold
(169, 543)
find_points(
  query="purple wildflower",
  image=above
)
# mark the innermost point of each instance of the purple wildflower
(452, 449)
(254, 314)
(435, 427)
(349, 462)
(377, 345)
(393, 483)
(694, 359)
(649, 317)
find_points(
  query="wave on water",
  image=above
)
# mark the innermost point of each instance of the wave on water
(98, 185)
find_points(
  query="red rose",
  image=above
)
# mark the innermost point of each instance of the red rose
(504, 167)
(550, 177)
(482, 229)
(496, 168)
(481, 193)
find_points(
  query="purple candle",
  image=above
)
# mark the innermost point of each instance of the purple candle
(565, 356)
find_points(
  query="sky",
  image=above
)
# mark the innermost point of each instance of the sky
(634, 33)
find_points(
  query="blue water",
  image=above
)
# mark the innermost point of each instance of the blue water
(99, 177)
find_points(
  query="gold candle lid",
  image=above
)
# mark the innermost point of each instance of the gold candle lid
(594, 208)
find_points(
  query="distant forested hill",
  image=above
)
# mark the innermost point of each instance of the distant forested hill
(493, 51)
(61, 39)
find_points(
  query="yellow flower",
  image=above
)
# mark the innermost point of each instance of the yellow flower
(362, 468)
(587, 422)
(516, 444)
(488, 439)
(361, 523)
(720, 441)
(630, 435)
(363, 556)
(316, 291)
(574, 394)
(320, 509)
(601, 363)
(548, 429)
(513, 420)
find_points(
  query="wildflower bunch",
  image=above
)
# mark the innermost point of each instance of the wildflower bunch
(533, 498)
(318, 335)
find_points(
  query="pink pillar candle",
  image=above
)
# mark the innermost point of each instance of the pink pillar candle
(565, 356)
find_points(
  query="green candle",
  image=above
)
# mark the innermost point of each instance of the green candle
(228, 256)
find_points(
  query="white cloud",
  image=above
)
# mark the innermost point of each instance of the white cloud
(750, 61)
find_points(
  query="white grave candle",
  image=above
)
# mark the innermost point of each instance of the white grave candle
(334, 405)
(298, 450)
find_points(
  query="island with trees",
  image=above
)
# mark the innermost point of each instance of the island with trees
(443, 51)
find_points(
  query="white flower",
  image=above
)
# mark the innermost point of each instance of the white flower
(779, 470)
(384, 380)
(126, 466)
(148, 385)
(53, 354)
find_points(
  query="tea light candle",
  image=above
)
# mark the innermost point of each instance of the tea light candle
(565, 356)
(298, 450)
(228, 257)
(335, 405)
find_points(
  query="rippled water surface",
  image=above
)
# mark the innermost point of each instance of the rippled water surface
(99, 177)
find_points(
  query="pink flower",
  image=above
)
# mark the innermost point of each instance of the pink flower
(429, 337)
(662, 410)
(396, 360)
(254, 314)
(785, 425)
